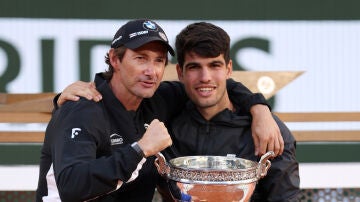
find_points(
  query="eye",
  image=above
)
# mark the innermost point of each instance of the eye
(192, 67)
(216, 65)
(160, 60)
(140, 57)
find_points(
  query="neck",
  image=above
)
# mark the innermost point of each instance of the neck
(130, 101)
(210, 112)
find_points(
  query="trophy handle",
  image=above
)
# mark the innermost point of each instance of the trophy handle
(264, 164)
(161, 165)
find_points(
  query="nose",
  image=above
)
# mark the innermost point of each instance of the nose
(205, 75)
(150, 70)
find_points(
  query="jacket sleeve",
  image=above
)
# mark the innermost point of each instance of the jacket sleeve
(242, 96)
(55, 99)
(173, 97)
(80, 174)
(282, 182)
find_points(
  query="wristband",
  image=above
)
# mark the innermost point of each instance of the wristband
(138, 150)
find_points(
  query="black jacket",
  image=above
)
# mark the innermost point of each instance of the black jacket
(230, 133)
(88, 144)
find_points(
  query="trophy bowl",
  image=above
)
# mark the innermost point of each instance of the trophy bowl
(212, 178)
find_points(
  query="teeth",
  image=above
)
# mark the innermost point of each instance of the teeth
(205, 89)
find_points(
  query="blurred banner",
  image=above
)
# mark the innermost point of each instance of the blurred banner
(45, 55)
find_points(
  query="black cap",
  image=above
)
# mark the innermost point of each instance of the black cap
(136, 33)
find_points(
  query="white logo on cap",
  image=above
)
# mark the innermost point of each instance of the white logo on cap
(117, 39)
(150, 25)
(138, 33)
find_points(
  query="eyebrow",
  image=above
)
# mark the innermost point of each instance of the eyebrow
(217, 61)
(192, 64)
(212, 62)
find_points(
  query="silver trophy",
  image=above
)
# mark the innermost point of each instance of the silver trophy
(212, 178)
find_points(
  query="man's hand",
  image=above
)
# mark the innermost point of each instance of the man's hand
(265, 131)
(155, 139)
(79, 89)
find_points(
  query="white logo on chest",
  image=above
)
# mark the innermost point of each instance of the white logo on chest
(116, 139)
(74, 132)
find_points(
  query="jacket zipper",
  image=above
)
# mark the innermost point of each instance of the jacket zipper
(207, 134)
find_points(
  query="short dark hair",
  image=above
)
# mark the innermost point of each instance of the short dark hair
(204, 39)
(120, 52)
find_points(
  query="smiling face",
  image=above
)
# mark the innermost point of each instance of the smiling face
(205, 81)
(139, 73)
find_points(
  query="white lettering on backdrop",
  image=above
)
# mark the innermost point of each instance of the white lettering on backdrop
(328, 52)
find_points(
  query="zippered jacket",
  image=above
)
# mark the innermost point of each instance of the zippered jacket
(230, 133)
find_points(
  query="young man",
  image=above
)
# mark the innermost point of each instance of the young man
(211, 124)
(103, 150)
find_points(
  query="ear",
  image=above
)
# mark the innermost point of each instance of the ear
(179, 72)
(114, 60)
(229, 69)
